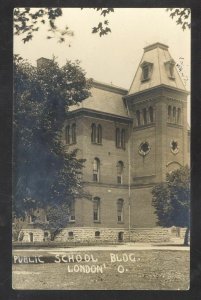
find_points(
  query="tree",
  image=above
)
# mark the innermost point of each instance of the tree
(44, 173)
(182, 16)
(171, 200)
(28, 21)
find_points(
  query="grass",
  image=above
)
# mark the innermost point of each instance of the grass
(152, 270)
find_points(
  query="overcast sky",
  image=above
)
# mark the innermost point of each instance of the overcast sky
(114, 57)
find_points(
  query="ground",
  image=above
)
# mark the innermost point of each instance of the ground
(127, 267)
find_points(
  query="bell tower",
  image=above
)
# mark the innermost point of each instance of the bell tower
(157, 102)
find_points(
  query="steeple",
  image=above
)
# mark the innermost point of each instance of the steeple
(156, 68)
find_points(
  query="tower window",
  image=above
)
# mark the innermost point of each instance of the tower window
(120, 203)
(123, 133)
(174, 114)
(138, 117)
(151, 114)
(179, 116)
(99, 134)
(93, 133)
(146, 70)
(96, 209)
(120, 167)
(96, 170)
(145, 116)
(120, 138)
(169, 113)
(170, 68)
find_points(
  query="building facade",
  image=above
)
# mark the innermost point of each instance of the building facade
(130, 140)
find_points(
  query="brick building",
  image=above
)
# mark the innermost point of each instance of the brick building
(130, 140)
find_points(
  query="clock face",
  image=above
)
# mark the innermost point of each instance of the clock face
(174, 147)
(144, 148)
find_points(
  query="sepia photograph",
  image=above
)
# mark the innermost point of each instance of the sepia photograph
(101, 148)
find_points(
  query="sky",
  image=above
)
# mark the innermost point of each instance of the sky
(113, 58)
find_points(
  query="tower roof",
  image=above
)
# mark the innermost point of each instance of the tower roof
(156, 68)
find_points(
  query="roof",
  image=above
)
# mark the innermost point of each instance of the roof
(104, 98)
(159, 58)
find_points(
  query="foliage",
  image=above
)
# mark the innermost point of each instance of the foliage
(28, 20)
(182, 16)
(44, 172)
(57, 216)
(172, 199)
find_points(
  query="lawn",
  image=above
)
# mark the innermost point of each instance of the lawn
(104, 270)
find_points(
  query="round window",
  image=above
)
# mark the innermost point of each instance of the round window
(144, 148)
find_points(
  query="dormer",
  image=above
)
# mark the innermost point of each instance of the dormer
(147, 69)
(169, 66)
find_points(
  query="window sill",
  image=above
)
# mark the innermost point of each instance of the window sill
(71, 221)
(120, 222)
(96, 221)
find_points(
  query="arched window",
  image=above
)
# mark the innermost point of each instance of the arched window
(144, 116)
(99, 134)
(120, 167)
(74, 133)
(151, 114)
(120, 204)
(174, 114)
(96, 170)
(118, 138)
(97, 234)
(67, 134)
(123, 142)
(169, 113)
(96, 209)
(93, 133)
(138, 117)
(179, 116)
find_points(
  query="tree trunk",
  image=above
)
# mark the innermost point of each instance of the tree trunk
(186, 237)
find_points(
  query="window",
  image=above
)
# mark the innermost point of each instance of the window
(97, 234)
(67, 134)
(170, 68)
(74, 133)
(96, 170)
(120, 167)
(72, 211)
(138, 117)
(145, 116)
(151, 114)
(146, 70)
(179, 116)
(96, 209)
(169, 113)
(99, 134)
(31, 237)
(123, 138)
(174, 114)
(120, 203)
(118, 138)
(93, 133)
(70, 234)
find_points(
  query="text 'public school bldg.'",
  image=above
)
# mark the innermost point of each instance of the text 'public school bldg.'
(130, 140)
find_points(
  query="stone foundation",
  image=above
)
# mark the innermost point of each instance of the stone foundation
(100, 235)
